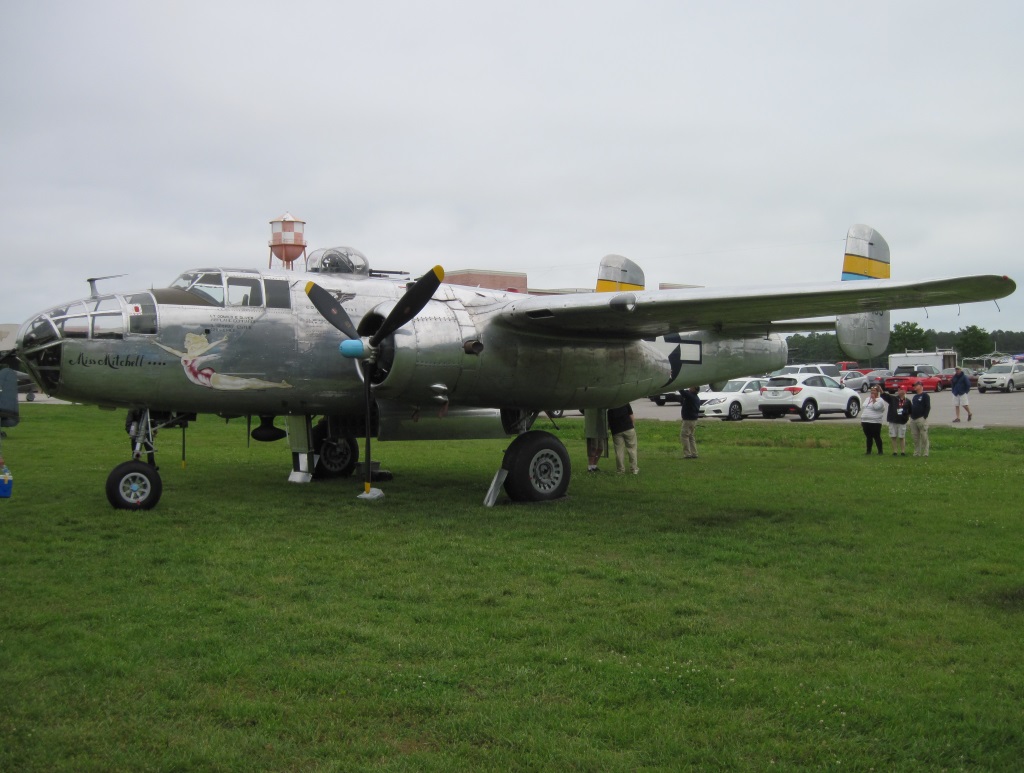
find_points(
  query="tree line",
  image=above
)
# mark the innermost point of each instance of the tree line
(970, 341)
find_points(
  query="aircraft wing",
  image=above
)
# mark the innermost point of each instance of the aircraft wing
(628, 315)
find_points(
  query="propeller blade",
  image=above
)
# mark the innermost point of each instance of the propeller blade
(410, 304)
(331, 310)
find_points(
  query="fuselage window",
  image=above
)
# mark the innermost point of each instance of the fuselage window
(278, 295)
(244, 291)
(141, 314)
(108, 325)
(74, 327)
(108, 304)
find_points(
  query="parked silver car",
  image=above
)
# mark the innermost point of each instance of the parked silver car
(855, 380)
(1006, 376)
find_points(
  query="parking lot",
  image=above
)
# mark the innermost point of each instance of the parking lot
(992, 409)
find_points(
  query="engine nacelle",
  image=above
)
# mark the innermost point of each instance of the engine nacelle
(863, 336)
(446, 355)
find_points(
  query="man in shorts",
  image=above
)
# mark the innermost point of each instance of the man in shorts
(960, 386)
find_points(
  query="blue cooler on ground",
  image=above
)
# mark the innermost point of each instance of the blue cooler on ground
(6, 483)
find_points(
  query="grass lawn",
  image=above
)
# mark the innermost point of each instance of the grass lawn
(783, 602)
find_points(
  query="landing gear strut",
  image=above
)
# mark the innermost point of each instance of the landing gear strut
(136, 485)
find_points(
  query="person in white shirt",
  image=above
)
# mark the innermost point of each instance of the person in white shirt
(872, 414)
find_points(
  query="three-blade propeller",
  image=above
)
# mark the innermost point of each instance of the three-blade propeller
(409, 305)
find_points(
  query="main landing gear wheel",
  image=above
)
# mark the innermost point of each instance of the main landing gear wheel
(338, 457)
(134, 486)
(538, 468)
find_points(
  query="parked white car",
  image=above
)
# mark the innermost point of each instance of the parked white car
(824, 368)
(738, 398)
(807, 394)
(1005, 376)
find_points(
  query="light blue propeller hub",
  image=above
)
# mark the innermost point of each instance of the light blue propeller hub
(352, 348)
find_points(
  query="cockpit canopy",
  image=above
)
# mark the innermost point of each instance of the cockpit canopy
(338, 260)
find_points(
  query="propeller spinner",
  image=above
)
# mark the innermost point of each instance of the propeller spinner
(364, 350)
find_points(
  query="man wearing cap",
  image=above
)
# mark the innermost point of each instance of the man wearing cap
(920, 407)
(960, 385)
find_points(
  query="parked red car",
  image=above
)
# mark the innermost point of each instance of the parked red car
(908, 375)
(946, 375)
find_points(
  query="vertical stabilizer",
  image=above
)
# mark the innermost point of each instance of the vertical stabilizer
(863, 336)
(867, 254)
(617, 273)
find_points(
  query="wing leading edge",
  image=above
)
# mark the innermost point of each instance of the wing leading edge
(660, 312)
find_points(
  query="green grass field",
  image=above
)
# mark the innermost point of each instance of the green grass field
(783, 602)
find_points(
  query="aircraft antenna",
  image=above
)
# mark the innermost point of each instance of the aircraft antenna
(93, 291)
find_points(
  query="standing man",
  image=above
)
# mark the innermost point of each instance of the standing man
(920, 407)
(595, 427)
(690, 412)
(620, 422)
(897, 416)
(960, 386)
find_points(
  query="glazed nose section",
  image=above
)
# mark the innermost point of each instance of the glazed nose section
(39, 350)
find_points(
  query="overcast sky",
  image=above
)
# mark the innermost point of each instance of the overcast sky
(714, 143)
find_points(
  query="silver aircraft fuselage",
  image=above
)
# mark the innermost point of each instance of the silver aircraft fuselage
(249, 342)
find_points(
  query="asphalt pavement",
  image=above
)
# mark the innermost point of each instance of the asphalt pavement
(992, 409)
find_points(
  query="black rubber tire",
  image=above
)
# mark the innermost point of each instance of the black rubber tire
(853, 408)
(337, 457)
(134, 486)
(538, 468)
(809, 411)
(660, 401)
(735, 412)
(1009, 387)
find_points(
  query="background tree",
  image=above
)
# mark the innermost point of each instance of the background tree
(972, 341)
(909, 335)
(815, 347)
(1007, 341)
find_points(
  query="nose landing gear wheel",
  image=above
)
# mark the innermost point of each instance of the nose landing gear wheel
(134, 486)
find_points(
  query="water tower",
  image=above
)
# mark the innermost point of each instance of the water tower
(287, 239)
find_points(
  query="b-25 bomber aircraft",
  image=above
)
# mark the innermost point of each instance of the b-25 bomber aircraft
(430, 361)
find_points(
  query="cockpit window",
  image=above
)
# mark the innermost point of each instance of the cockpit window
(206, 285)
(244, 291)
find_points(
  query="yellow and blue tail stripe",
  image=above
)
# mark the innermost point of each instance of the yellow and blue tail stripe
(859, 267)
